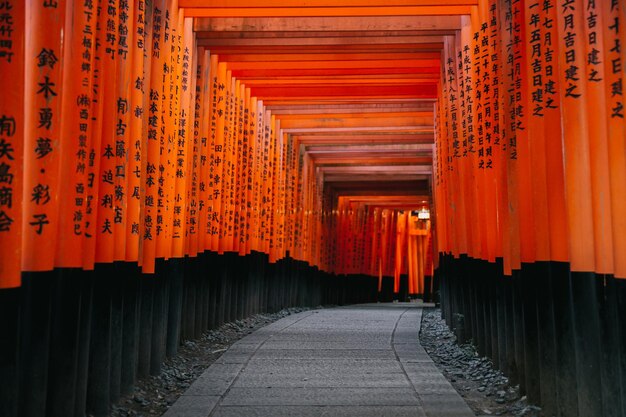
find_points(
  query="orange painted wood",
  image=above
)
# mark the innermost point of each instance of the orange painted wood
(318, 43)
(153, 141)
(328, 11)
(457, 139)
(616, 131)
(321, 3)
(222, 106)
(230, 165)
(309, 56)
(219, 155)
(510, 225)
(355, 71)
(277, 37)
(248, 166)
(182, 135)
(204, 151)
(519, 210)
(123, 114)
(169, 147)
(163, 197)
(213, 182)
(74, 152)
(598, 114)
(535, 135)
(330, 23)
(12, 136)
(559, 247)
(137, 106)
(107, 176)
(466, 194)
(256, 129)
(192, 222)
(576, 156)
(42, 147)
(92, 201)
(336, 64)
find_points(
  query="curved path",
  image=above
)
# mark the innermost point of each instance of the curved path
(362, 360)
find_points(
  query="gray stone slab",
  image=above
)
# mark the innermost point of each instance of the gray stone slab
(321, 396)
(308, 373)
(333, 336)
(315, 364)
(325, 354)
(215, 380)
(324, 381)
(421, 368)
(192, 406)
(251, 346)
(445, 406)
(320, 411)
(434, 387)
(271, 344)
(348, 361)
(233, 357)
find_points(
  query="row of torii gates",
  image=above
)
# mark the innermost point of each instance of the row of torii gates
(170, 165)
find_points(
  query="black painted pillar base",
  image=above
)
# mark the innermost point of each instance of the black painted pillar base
(587, 341)
(620, 290)
(130, 328)
(86, 283)
(175, 275)
(9, 350)
(611, 360)
(428, 282)
(531, 332)
(62, 372)
(547, 341)
(566, 383)
(98, 387)
(116, 283)
(146, 289)
(500, 302)
(34, 342)
(510, 368)
(518, 320)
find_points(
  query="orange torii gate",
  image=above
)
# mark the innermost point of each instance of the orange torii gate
(139, 140)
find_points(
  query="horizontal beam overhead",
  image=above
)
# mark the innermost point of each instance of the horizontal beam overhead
(321, 3)
(391, 169)
(368, 35)
(332, 23)
(324, 11)
(432, 57)
(354, 71)
(337, 64)
(423, 42)
(351, 82)
(379, 108)
(412, 147)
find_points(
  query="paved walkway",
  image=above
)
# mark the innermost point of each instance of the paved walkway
(360, 361)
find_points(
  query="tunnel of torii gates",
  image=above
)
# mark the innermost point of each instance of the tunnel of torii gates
(167, 166)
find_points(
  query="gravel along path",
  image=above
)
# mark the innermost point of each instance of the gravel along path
(485, 389)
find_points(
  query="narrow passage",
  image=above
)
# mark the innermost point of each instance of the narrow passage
(362, 360)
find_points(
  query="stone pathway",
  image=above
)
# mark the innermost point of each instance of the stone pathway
(362, 360)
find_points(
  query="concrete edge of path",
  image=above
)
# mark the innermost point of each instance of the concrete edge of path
(437, 396)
